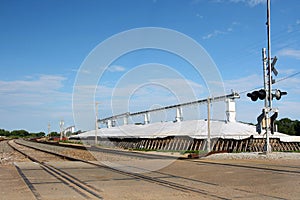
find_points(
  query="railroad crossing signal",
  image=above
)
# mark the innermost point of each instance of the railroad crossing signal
(263, 123)
(272, 122)
(278, 94)
(262, 94)
(273, 69)
(259, 124)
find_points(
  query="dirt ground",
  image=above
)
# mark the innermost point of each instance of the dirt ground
(226, 177)
(12, 186)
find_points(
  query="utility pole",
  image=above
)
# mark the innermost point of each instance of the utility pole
(96, 123)
(208, 125)
(49, 126)
(61, 124)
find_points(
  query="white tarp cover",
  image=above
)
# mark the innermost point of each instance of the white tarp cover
(192, 128)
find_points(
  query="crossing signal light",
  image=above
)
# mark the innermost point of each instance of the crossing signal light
(259, 125)
(272, 122)
(278, 94)
(261, 94)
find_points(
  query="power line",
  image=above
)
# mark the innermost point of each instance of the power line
(284, 78)
(287, 77)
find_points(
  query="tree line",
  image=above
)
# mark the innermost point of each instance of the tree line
(20, 133)
(24, 133)
(288, 126)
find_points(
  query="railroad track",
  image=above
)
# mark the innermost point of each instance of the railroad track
(266, 167)
(175, 182)
(78, 186)
(152, 179)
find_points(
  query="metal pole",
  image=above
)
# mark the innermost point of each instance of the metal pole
(96, 124)
(269, 56)
(266, 87)
(61, 123)
(208, 125)
(264, 59)
(269, 82)
(49, 126)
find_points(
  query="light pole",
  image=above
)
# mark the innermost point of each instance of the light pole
(49, 126)
(208, 126)
(61, 124)
(96, 123)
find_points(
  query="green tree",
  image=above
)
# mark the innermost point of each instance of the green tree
(40, 134)
(297, 127)
(288, 126)
(20, 133)
(4, 132)
(54, 134)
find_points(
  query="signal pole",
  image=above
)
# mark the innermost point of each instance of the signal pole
(265, 121)
(267, 108)
(269, 54)
(268, 86)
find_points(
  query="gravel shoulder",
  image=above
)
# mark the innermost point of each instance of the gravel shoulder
(255, 156)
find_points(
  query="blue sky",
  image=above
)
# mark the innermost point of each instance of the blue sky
(43, 43)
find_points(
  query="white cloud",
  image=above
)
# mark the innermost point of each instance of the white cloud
(294, 53)
(43, 84)
(29, 103)
(216, 33)
(293, 27)
(80, 70)
(199, 16)
(244, 83)
(116, 68)
(213, 34)
(251, 3)
(43, 90)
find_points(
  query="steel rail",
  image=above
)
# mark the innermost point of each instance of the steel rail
(155, 180)
(78, 186)
(178, 186)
